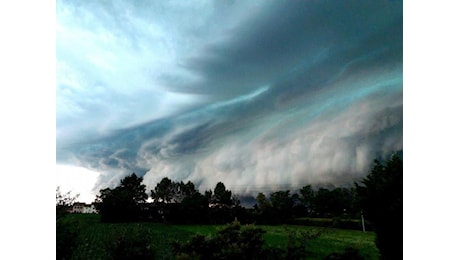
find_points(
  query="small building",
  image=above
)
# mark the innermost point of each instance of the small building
(80, 207)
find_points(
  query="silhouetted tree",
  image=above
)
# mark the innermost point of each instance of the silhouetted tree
(208, 195)
(122, 203)
(194, 209)
(66, 231)
(64, 202)
(307, 196)
(133, 185)
(193, 205)
(222, 204)
(381, 197)
(264, 209)
(262, 202)
(222, 195)
(282, 203)
(322, 202)
(165, 191)
(186, 190)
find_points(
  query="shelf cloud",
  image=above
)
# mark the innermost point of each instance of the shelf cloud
(258, 95)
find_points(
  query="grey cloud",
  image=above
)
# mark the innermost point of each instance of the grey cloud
(296, 93)
(268, 46)
(288, 152)
(322, 152)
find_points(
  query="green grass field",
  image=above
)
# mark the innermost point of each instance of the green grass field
(95, 237)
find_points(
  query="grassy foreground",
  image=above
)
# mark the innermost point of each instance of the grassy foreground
(95, 238)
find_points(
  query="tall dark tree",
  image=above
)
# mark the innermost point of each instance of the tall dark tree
(187, 190)
(322, 202)
(222, 195)
(281, 200)
(283, 204)
(222, 205)
(165, 191)
(381, 196)
(208, 195)
(307, 196)
(346, 202)
(264, 212)
(262, 202)
(123, 203)
(168, 191)
(133, 185)
(194, 208)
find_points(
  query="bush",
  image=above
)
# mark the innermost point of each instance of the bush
(237, 242)
(297, 239)
(232, 242)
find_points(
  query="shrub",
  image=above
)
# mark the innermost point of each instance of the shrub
(231, 242)
(242, 242)
(297, 239)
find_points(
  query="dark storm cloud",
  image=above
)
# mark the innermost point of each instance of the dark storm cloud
(295, 93)
(289, 35)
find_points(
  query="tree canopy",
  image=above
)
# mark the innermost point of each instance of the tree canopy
(122, 203)
(381, 196)
(64, 202)
(222, 195)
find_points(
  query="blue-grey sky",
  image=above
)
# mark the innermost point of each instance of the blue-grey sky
(257, 94)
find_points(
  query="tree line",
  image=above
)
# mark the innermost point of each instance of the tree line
(378, 196)
(179, 202)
